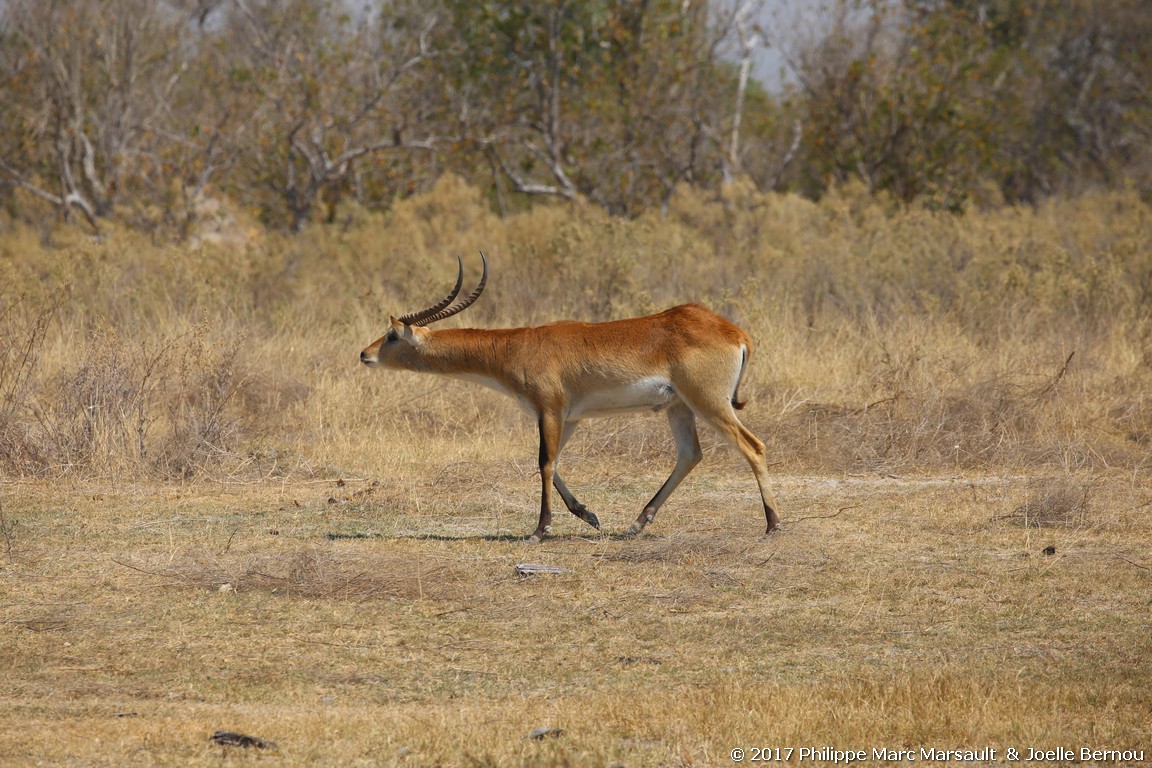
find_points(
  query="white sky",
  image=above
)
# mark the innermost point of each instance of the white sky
(788, 24)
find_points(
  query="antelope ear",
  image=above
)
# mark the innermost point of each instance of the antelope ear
(408, 333)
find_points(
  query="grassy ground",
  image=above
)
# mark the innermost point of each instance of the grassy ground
(383, 622)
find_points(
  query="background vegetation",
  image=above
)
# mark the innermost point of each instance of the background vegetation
(145, 111)
(923, 340)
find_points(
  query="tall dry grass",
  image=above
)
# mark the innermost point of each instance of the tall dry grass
(890, 340)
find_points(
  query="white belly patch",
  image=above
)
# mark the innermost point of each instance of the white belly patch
(652, 393)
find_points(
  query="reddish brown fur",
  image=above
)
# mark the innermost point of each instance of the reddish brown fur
(687, 360)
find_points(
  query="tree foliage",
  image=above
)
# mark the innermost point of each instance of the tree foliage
(933, 99)
(87, 87)
(138, 109)
(613, 101)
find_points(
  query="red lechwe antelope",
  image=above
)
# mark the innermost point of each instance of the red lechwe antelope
(687, 361)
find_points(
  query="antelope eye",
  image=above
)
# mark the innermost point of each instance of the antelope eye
(391, 336)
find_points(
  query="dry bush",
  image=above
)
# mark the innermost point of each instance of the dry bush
(1129, 392)
(944, 410)
(22, 332)
(150, 405)
(1052, 502)
(167, 407)
(925, 396)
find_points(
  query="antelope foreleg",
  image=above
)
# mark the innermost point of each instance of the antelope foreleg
(570, 501)
(551, 428)
(574, 506)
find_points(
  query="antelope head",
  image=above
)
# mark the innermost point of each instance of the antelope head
(401, 346)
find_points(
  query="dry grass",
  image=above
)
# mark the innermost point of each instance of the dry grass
(906, 342)
(212, 519)
(392, 628)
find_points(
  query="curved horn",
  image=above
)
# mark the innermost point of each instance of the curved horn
(466, 302)
(418, 318)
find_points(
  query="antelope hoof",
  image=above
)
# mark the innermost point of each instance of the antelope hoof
(588, 517)
(645, 517)
(539, 534)
(638, 525)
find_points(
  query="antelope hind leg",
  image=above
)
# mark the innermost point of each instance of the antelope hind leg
(688, 455)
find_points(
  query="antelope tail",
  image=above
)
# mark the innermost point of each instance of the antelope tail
(737, 403)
